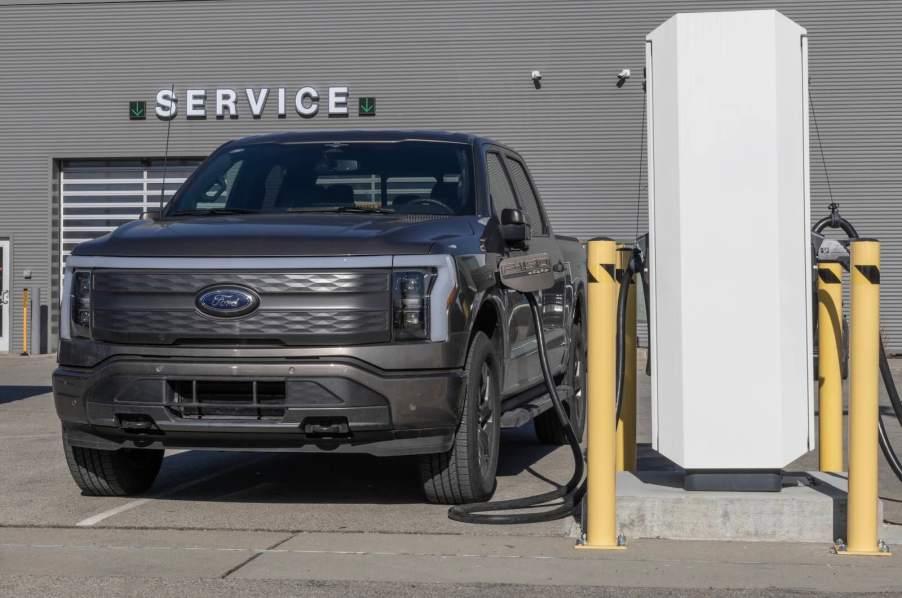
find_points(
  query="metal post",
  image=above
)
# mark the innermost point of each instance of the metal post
(41, 316)
(600, 521)
(865, 350)
(25, 302)
(626, 424)
(829, 317)
(35, 310)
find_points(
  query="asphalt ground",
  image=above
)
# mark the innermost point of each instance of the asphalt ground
(240, 524)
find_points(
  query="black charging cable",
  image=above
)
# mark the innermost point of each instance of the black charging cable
(835, 220)
(634, 265)
(572, 493)
(483, 512)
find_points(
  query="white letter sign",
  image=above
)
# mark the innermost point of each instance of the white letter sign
(338, 101)
(312, 108)
(256, 103)
(196, 103)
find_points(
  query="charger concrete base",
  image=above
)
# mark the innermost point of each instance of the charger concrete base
(654, 504)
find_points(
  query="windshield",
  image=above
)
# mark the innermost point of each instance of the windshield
(409, 177)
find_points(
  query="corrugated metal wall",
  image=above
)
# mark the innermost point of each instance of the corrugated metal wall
(68, 70)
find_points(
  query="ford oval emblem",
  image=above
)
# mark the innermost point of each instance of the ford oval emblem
(227, 302)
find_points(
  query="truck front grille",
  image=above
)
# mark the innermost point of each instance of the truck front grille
(297, 308)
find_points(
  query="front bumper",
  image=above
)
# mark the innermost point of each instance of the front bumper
(386, 412)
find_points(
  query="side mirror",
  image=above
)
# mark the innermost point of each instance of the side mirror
(152, 214)
(514, 228)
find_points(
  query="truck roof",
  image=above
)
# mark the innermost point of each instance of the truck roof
(360, 135)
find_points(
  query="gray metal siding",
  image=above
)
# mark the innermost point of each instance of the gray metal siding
(68, 70)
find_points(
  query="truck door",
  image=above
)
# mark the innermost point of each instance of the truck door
(522, 368)
(520, 332)
(554, 300)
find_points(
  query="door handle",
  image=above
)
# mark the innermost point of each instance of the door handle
(4, 298)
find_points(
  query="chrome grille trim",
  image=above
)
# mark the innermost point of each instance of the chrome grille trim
(179, 325)
(230, 263)
(177, 281)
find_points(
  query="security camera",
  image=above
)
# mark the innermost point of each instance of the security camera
(624, 74)
(537, 79)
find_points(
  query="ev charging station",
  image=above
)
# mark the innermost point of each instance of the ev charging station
(729, 257)
(728, 277)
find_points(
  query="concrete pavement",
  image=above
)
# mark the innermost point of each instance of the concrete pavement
(29, 556)
(124, 587)
(238, 524)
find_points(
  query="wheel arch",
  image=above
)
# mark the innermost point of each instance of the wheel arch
(488, 318)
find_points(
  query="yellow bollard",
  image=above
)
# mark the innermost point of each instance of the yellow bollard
(865, 349)
(626, 425)
(600, 523)
(829, 317)
(25, 302)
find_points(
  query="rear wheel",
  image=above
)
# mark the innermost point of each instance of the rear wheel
(466, 473)
(548, 427)
(112, 473)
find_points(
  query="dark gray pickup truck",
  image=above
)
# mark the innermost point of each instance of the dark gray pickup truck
(321, 292)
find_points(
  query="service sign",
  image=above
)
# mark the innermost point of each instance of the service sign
(256, 102)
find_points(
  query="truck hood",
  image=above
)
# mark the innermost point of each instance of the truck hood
(280, 235)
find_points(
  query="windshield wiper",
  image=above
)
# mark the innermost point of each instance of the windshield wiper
(340, 209)
(214, 212)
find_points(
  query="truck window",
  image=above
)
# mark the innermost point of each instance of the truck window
(410, 177)
(499, 186)
(216, 194)
(367, 190)
(526, 195)
(402, 190)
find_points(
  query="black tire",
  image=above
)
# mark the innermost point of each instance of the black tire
(121, 472)
(548, 428)
(467, 473)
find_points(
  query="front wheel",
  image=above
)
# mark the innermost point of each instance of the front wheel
(467, 472)
(112, 473)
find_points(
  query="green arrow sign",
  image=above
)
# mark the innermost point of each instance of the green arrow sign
(137, 110)
(366, 106)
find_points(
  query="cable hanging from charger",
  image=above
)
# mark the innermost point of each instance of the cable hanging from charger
(836, 221)
(572, 492)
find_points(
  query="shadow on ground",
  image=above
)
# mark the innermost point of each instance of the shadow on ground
(305, 478)
(9, 394)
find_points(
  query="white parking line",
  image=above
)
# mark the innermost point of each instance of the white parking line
(95, 519)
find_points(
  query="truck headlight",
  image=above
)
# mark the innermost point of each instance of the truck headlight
(410, 303)
(81, 304)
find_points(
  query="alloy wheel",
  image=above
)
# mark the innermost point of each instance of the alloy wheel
(485, 412)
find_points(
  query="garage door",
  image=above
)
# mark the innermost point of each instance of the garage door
(96, 196)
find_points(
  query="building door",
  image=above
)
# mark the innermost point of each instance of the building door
(96, 196)
(4, 295)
